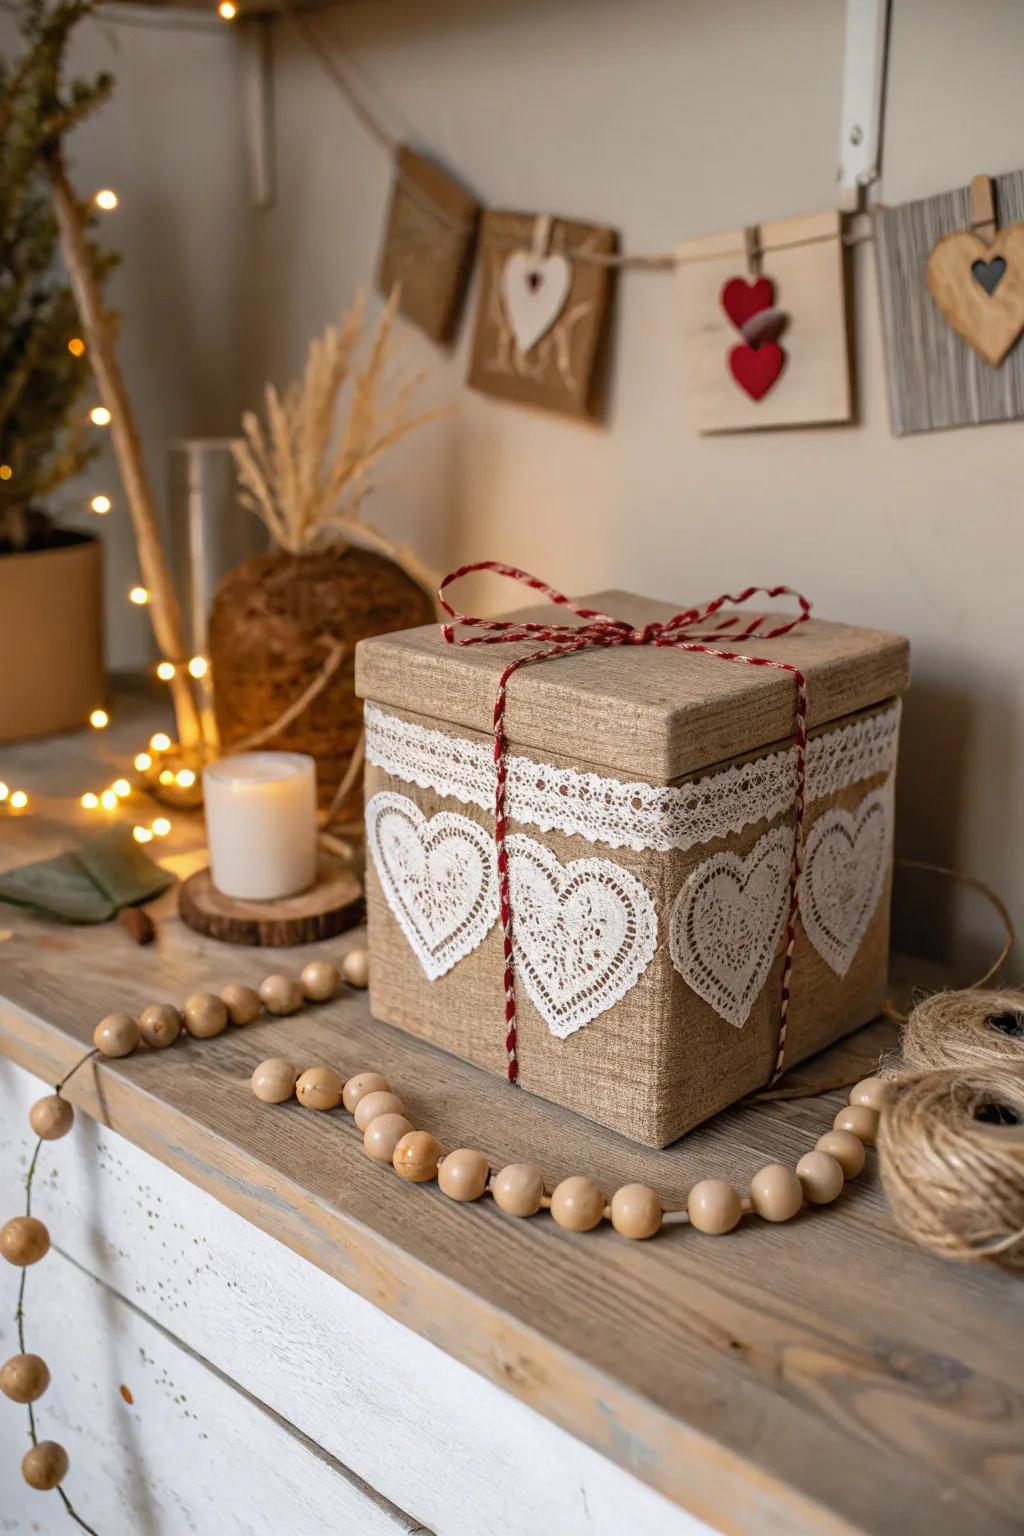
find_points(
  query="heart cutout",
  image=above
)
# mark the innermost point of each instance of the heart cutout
(727, 921)
(742, 300)
(583, 933)
(982, 304)
(534, 290)
(439, 878)
(989, 274)
(756, 369)
(846, 862)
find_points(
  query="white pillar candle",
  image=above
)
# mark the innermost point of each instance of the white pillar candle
(261, 823)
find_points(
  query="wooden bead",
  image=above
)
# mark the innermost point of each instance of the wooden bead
(846, 1148)
(355, 968)
(821, 1177)
(416, 1157)
(319, 1088)
(52, 1117)
(518, 1189)
(159, 1025)
(863, 1122)
(873, 1093)
(380, 1103)
(714, 1206)
(359, 1086)
(320, 981)
(116, 1035)
(382, 1136)
(24, 1241)
(45, 1465)
(206, 1015)
(24, 1378)
(636, 1211)
(463, 1174)
(281, 994)
(776, 1193)
(242, 1003)
(274, 1080)
(577, 1203)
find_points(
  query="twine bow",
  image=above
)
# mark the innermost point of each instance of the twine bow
(685, 631)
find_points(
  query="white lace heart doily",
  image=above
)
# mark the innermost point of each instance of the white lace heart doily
(439, 878)
(846, 860)
(583, 933)
(726, 922)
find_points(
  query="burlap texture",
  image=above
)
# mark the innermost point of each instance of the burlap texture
(661, 1060)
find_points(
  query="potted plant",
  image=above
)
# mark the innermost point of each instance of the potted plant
(51, 578)
(284, 626)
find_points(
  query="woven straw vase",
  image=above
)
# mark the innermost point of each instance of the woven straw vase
(275, 619)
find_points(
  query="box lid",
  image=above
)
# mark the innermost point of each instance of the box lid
(641, 711)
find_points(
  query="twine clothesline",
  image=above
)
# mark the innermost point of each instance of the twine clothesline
(640, 261)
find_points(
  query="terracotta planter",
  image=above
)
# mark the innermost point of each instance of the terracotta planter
(275, 620)
(51, 638)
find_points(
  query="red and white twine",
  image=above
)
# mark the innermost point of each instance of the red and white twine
(683, 632)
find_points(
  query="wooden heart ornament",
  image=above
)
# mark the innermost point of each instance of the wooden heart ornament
(756, 364)
(978, 288)
(533, 293)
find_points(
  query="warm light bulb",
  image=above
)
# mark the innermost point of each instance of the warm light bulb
(76, 346)
(101, 504)
(90, 801)
(121, 787)
(106, 199)
(160, 742)
(227, 10)
(139, 596)
(142, 834)
(108, 800)
(166, 777)
(4, 791)
(5, 471)
(161, 826)
(198, 666)
(99, 719)
(19, 800)
(99, 416)
(165, 671)
(143, 761)
(185, 778)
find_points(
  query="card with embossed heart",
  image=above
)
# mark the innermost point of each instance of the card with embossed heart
(768, 349)
(542, 314)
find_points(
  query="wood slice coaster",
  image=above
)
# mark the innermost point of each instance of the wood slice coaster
(330, 906)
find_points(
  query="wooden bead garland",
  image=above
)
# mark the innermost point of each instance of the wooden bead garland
(24, 1240)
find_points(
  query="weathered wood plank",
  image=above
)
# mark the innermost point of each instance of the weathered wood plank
(825, 1376)
(188, 1453)
(418, 1427)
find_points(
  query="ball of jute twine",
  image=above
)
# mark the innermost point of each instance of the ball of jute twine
(968, 1029)
(951, 1155)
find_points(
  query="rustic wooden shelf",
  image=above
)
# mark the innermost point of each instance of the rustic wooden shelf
(824, 1376)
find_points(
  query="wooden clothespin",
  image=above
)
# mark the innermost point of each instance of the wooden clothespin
(541, 241)
(752, 248)
(983, 209)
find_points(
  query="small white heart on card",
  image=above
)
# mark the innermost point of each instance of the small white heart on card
(533, 291)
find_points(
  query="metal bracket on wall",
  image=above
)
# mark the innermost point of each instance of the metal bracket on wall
(865, 44)
(255, 38)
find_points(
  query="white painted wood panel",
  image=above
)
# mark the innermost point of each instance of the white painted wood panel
(432, 1437)
(189, 1456)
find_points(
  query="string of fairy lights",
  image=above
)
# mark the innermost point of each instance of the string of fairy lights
(15, 801)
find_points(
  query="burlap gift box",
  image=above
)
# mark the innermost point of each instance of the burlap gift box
(650, 807)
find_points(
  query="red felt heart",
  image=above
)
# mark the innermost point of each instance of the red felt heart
(755, 369)
(741, 299)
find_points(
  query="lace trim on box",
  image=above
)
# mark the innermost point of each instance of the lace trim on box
(630, 815)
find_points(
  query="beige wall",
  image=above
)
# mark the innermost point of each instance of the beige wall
(666, 119)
